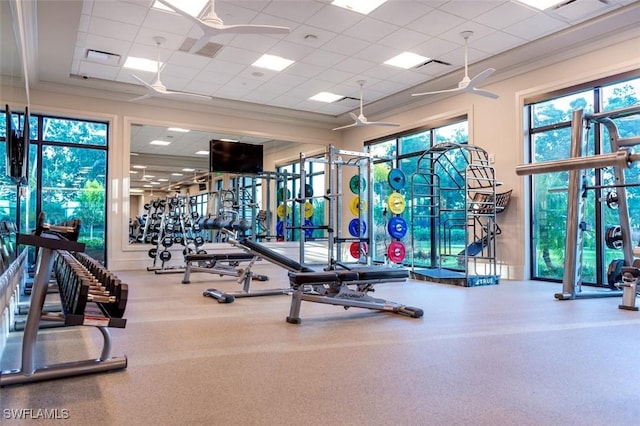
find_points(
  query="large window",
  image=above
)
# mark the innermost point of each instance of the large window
(67, 178)
(404, 152)
(549, 138)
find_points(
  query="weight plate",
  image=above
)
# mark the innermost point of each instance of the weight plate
(280, 211)
(147, 206)
(154, 240)
(397, 227)
(308, 209)
(177, 239)
(165, 255)
(198, 241)
(195, 215)
(612, 200)
(167, 242)
(242, 225)
(357, 184)
(187, 250)
(192, 201)
(357, 249)
(308, 232)
(613, 237)
(201, 252)
(396, 203)
(396, 252)
(356, 205)
(283, 194)
(152, 252)
(280, 228)
(173, 201)
(397, 179)
(355, 228)
(196, 227)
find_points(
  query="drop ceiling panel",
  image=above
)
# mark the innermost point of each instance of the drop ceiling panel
(534, 27)
(436, 22)
(395, 13)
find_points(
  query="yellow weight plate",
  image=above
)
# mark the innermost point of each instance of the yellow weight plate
(396, 203)
(355, 205)
(280, 211)
(308, 210)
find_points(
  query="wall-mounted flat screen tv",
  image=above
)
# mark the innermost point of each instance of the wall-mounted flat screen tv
(235, 157)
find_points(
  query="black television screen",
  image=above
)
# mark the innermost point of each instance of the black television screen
(235, 157)
(17, 148)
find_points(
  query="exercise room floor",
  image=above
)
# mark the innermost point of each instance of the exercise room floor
(507, 354)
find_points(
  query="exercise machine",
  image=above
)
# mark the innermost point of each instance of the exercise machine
(626, 273)
(346, 287)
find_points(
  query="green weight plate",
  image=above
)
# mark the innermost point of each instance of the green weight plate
(357, 184)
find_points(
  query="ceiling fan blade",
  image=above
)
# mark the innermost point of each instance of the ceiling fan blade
(347, 126)
(139, 98)
(457, 89)
(484, 93)
(144, 83)
(382, 123)
(201, 42)
(478, 79)
(185, 94)
(253, 29)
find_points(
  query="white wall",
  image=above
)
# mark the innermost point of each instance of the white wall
(495, 125)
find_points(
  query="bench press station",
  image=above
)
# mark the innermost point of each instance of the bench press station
(333, 287)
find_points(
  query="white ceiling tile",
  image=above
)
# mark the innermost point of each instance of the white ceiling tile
(292, 51)
(354, 65)
(188, 60)
(535, 27)
(478, 30)
(120, 11)
(335, 18)
(175, 70)
(370, 29)
(310, 36)
(469, 9)
(167, 21)
(303, 69)
(435, 22)
(497, 42)
(345, 45)
(239, 56)
(146, 37)
(298, 11)
(323, 58)
(579, 11)
(382, 72)
(436, 47)
(403, 39)
(112, 29)
(401, 12)
(253, 42)
(508, 13)
(220, 65)
(334, 76)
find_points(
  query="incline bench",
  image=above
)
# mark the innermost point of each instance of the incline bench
(333, 287)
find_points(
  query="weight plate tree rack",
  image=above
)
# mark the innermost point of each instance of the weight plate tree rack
(620, 158)
(449, 181)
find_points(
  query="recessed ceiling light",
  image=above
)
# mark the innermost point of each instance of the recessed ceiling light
(272, 62)
(139, 167)
(159, 142)
(192, 7)
(142, 64)
(163, 180)
(178, 129)
(146, 186)
(228, 140)
(360, 6)
(133, 172)
(406, 60)
(149, 176)
(202, 153)
(326, 97)
(177, 174)
(188, 170)
(541, 4)
(154, 183)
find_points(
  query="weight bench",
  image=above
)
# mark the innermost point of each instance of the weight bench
(226, 264)
(347, 288)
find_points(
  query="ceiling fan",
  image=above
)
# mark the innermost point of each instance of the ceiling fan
(156, 88)
(211, 24)
(468, 84)
(361, 120)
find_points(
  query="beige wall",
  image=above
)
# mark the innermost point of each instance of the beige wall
(495, 125)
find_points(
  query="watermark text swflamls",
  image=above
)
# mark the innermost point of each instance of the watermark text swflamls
(35, 414)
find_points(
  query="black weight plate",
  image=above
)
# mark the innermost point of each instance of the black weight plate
(195, 215)
(198, 241)
(397, 179)
(165, 255)
(167, 242)
(152, 252)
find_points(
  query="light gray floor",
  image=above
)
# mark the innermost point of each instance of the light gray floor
(497, 355)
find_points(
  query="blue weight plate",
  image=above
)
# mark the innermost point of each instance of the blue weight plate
(355, 229)
(308, 232)
(280, 228)
(397, 227)
(397, 179)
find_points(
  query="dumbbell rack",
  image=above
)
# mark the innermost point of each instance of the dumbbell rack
(48, 244)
